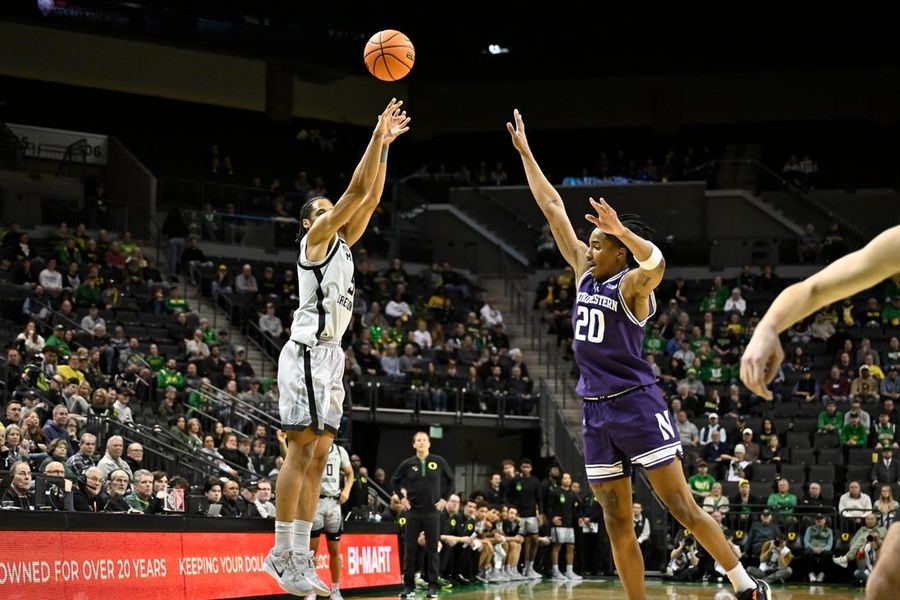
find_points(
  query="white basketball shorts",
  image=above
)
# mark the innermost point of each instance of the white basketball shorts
(310, 383)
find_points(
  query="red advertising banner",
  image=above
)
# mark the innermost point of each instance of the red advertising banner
(114, 564)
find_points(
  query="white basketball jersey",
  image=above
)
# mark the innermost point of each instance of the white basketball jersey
(325, 289)
(331, 478)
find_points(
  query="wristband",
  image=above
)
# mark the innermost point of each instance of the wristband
(653, 260)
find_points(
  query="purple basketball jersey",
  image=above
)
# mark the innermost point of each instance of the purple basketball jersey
(608, 339)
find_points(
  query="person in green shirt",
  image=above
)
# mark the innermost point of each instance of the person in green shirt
(830, 419)
(169, 376)
(69, 253)
(722, 290)
(715, 372)
(890, 314)
(818, 541)
(710, 303)
(56, 341)
(88, 293)
(854, 433)
(175, 302)
(701, 482)
(885, 432)
(783, 504)
(140, 498)
(210, 336)
(654, 343)
(126, 245)
(154, 360)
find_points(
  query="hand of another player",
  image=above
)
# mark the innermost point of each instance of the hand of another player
(761, 360)
(398, 124)
(440, 504)
(343, 497)
(384, 119)
(518, 133)
(606, 219)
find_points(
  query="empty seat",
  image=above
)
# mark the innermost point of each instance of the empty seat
(794, 473)
(821, 473)
(798, 440)
(803, 456)
(828, 491)
(810, 409)
(861, 456)
(831, 456)
(804, 424)
(785, 409)
(796, 489)
(859, 473)
(828, 440)
(763, 473)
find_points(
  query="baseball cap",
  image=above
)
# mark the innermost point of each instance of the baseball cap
(250, 483)
(742, 482)
(820, 516)
(58, 326)
(223, 267)
(746, 431)
(692, 371)
(740, 448)
(713, 416)
(766, 512)
(702, 463)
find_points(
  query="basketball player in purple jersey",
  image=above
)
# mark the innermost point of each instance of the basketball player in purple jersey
(625, 419)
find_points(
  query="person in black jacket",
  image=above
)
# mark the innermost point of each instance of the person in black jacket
(563, 510)
(87, 496)
(422, 483)
(522, 491)
(18, 494)
(230, 494)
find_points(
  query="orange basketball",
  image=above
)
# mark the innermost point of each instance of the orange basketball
(389, 55)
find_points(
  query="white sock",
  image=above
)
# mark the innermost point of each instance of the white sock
(335, 587)
(570, 570)
(739, 579)
(301, 536)
(282, 536)
(529, 566)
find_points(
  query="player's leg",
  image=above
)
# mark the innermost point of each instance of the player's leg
(335, 564)
(554, 556)
(884, 580)
(570, 559)
(669, 484)
(615, 498)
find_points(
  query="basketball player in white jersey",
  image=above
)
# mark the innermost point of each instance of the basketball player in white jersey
(328, 513)
(311, 365)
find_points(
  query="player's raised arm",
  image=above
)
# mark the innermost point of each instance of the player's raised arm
(649, 258)
(359, 220)
(548, 200)
(857, 271)
(330, 222)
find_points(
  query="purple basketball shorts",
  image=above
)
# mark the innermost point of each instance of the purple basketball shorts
(634, 428)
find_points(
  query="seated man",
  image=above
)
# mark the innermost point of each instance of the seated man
(19, 492)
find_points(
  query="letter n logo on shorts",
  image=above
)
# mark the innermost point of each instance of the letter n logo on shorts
(665, 426)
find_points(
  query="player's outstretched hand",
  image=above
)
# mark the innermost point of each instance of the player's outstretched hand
(385, 118)
(606, 219)
(761, 359)
(398, 124)
(518, 133)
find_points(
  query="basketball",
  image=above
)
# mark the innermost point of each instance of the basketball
(389, 55)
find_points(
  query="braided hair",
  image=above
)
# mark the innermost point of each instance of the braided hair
(638, 227)
(305, 213)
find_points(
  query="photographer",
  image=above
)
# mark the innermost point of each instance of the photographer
(685, 560)
(774, 561)
(860, 538)
(867, 557)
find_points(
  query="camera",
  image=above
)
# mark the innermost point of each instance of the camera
(778, 543)
(871, 537)
(688, 541)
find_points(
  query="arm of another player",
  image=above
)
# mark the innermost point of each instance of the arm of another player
(359, 220)
(361, 183)
(349, 479)
(548, 200)
(860, 270)
(648, 256)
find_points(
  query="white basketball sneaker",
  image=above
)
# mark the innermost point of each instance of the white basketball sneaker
(284, 569)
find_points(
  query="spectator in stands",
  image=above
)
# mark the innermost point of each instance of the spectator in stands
(715, 502)
(701, 482)
(55, 428)
(116, 487)
(245, 283)
(57, 452)
(112, 460)
(231, 490)
(30, 342)
(854, 503)
(806, 389)
(890, 314)
(141, 498)
(120, 409)
(706, 432)
(398, 308)
(83, 460)
(270, 324)
(884, 432)
(818, 541)
(714, 453)
(813, 500)
(19, 494)
(890, 385)
(870, 528)
(773, 453)
(87, 497)
(763, 531)
(735, 302)
(134, 456)
(783, 503)
(886, 470)
(885, 507)
(490, 314)
(854, 433)
(737, 464)
(264, 499)
(51, 279)
(751, 448)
